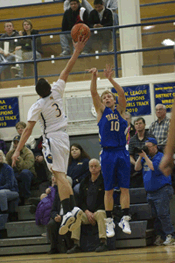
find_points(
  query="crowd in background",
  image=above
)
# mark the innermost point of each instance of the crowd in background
(84, 172)
(103, 14)
(31, 172)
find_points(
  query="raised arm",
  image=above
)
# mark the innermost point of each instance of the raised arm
(99, 107)
(24, 137)
(108, 72)
(167, 164)
(78, 48)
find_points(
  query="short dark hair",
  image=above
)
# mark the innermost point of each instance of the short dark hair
(43, 88)
(8, 22)
(140, 118)
(74, 1)
(98, 2)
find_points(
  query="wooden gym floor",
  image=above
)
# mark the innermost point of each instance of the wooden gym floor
(162, 254)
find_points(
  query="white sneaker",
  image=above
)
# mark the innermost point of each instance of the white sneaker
(77, 213)
(110, 227)
(64, 53)
(104, 51)
(169, 240)
(124, 224)
(67, 220)
(16, 67)
(84, 53)
(158, 241)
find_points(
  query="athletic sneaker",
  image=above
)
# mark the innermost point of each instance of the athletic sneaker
(64, 53)
(124, 224)
(67, 220)
(77, 213)
(158, 241)
(110, 227)
(169, 240)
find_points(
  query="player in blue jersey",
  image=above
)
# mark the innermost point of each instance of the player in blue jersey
(115, 161)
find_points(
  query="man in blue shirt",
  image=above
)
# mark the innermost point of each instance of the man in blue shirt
(159, 191)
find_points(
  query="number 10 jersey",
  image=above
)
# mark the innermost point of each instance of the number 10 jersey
(112, 129)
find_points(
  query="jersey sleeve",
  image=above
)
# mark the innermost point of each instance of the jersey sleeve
(34, 112)
(59, 86)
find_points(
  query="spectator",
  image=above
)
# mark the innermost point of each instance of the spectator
(43, 173)
(74, 15)
(160, 127)
(159, 192)
(84, 3)
(92, 203)
(25, 50)
(8, 184)
(130, 130)
(24, 170)
(113, 6)
(44, 207)
(7, 55)
(3, 146)
(98, 18)
(54, 224)
(138, 140)
(20, 126)
(78, 166)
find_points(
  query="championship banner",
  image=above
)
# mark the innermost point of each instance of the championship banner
(164, 93)
(9, 112)
(138, 99)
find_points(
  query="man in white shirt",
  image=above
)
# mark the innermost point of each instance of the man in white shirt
(48, 110)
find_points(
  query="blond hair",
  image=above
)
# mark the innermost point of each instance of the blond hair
(107, 92)
(3, 157)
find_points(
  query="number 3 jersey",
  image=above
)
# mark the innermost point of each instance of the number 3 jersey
(49, 110)
(112, 129)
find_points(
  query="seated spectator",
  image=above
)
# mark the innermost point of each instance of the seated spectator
(44, 207)
(159, 192)
(98, 18)
(137, 141)
(84, 3)
(25, 50)
(3, 146)
(7, 55)
(74, 15)
(24, 170)
(130, 130)
(54, 225)
(160, 127)
(78, 166)
(30, 143)
(8, 184)
(92, 203)
(113, 6)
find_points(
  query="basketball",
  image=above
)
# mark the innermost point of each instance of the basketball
(80, 30)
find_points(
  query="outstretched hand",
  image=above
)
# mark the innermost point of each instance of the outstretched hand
(80, 44)
(94, 72)
(108, 71)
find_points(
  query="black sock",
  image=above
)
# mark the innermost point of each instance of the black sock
(66, 205)
(125, 212)
(109, 214)
(72, 202)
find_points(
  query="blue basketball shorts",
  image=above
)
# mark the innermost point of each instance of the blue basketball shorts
(115, 166)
